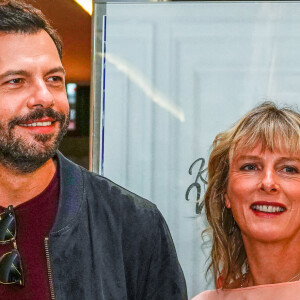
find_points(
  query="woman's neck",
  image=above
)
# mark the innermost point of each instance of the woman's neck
(272, 262)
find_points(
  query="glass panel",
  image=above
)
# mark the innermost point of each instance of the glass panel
(176, 74)
(72, 94)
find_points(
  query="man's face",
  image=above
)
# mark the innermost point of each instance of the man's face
(33, 102)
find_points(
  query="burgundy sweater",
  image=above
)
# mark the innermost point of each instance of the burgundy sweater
(34, 221)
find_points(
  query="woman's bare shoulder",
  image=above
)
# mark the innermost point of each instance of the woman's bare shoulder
(206, 295)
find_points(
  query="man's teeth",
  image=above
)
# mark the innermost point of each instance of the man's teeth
(268, 208)
(36, 124)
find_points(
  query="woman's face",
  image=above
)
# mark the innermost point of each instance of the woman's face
(264, 194)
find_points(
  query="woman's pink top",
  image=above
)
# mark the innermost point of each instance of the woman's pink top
(278, 291)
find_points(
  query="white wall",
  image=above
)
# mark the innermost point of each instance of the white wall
(176, 75)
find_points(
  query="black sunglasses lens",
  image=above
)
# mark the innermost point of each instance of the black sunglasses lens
(10, 268)
(7, 226)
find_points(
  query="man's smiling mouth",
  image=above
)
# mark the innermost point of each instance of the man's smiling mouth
(35, 124)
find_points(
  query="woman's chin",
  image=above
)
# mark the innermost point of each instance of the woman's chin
(268, 233)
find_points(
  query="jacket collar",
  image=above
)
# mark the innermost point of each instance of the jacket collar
(70, 195)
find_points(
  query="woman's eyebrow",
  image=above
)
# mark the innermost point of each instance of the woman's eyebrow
(289, 158)
(248, 157)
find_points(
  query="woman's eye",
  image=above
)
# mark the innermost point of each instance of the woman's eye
(290, 169)
(248, 167)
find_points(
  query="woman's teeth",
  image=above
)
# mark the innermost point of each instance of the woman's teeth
(268, 208)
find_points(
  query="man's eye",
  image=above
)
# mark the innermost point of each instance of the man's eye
(248, 167)
(15, 81)
(55, 78)
(290, 169)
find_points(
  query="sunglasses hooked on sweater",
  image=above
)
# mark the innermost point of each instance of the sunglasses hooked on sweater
(11, 271)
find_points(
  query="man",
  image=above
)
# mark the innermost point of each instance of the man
(65, 233)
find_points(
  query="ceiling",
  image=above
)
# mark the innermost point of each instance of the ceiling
(74, 26)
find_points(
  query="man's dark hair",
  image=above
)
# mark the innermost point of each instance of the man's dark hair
(17, 16)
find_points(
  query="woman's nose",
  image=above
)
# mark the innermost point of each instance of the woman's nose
(40, 96)
(269, 182)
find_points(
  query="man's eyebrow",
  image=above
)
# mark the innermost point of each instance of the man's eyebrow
(25, 73)
(13, 73)
(57, 69)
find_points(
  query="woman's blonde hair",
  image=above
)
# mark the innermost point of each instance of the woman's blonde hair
(276, 129)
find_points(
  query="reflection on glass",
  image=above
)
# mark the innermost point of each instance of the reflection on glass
(72, 94)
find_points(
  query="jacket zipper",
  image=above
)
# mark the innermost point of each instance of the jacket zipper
(50, 277)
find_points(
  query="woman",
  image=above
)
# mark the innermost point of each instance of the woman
(253, 207)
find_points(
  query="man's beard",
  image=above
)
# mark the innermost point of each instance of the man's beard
(23, 156)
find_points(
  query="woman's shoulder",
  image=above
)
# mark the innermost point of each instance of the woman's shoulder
(278, 291)
(207, 295)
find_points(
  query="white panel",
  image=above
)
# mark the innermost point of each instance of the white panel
(177, 74)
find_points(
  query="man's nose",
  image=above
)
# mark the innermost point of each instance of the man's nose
(269, 182)
(40, 96)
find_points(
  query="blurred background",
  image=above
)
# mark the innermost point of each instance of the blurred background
(73, 24)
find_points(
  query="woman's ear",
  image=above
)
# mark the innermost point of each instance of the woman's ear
(227, 201)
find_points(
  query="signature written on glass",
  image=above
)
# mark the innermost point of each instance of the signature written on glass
(198, 164)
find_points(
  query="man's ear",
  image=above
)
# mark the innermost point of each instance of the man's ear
(227, 201)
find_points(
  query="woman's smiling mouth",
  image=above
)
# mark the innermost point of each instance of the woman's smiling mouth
(267, 208)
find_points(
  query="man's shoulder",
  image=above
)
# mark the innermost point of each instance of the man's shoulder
(109, 188)
(97, 185)
(116, 198)
(84, 193)
(129, 215)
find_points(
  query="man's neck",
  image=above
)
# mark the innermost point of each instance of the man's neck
(18, 188)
